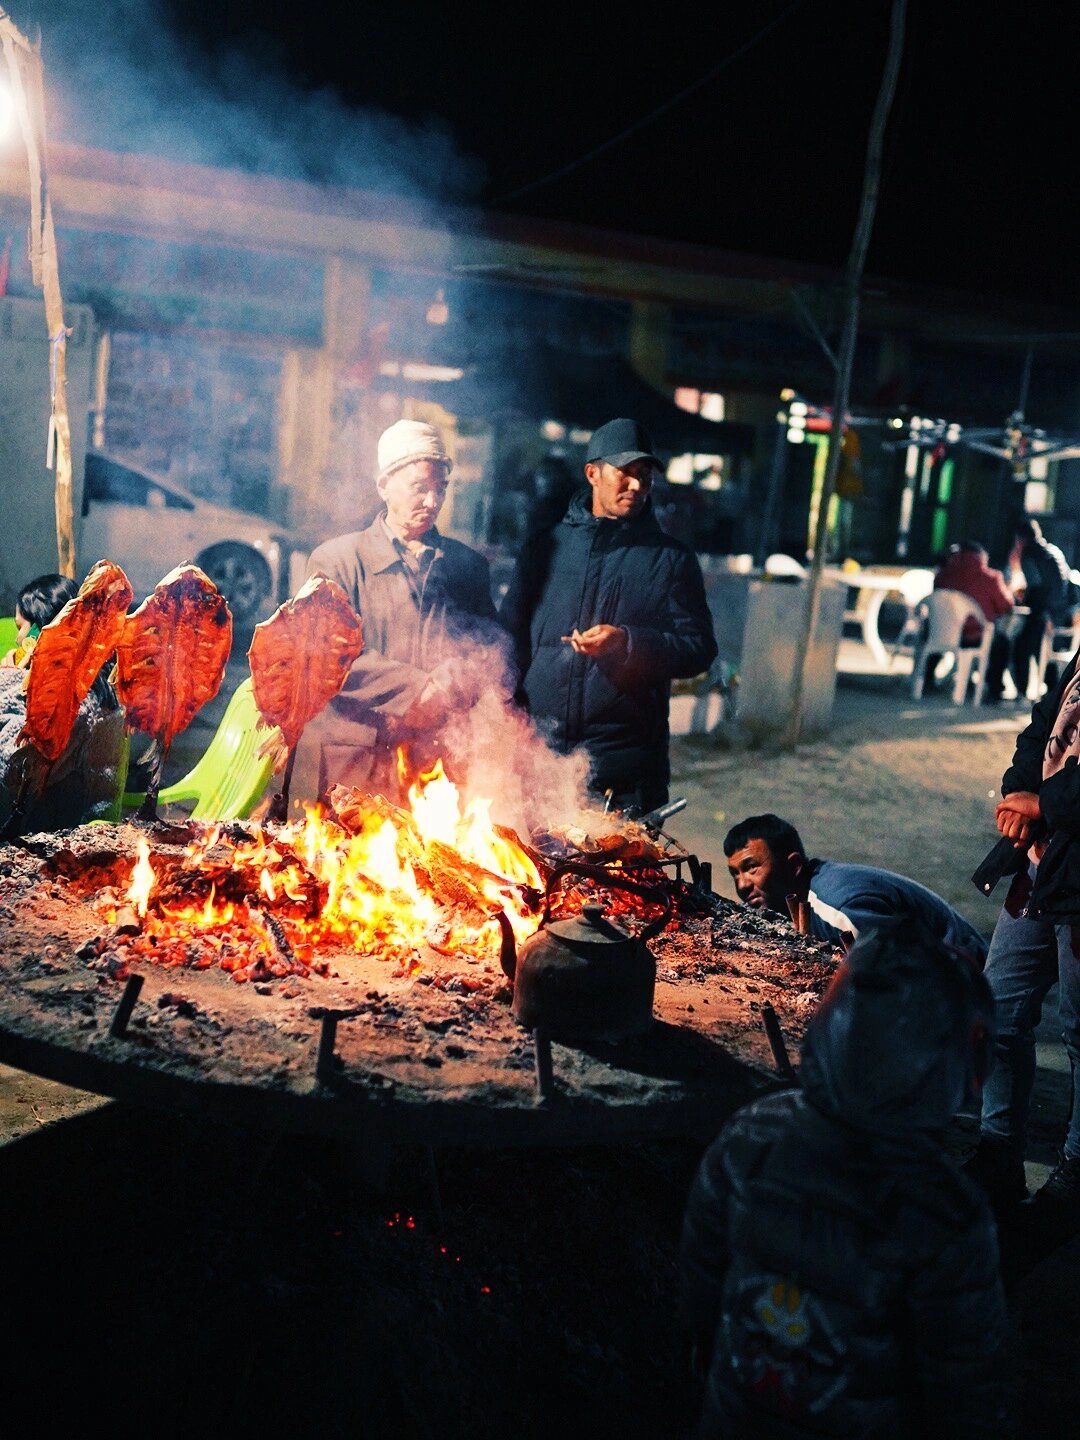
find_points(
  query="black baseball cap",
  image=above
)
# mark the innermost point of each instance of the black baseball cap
(620, 442)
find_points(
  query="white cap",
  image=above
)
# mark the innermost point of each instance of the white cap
(410, 440)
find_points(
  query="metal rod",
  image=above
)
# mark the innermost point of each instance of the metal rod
(793, 909)
(545, 1072)
(704, 875)
(324, 1063)
(122, 1014)
(776, 1042)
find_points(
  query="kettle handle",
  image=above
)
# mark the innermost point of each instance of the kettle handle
(606, 877)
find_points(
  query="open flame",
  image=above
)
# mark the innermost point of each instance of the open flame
(395, 881)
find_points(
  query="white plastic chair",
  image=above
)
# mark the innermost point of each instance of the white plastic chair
(1059, 644)
(945, 613)
(785, 567)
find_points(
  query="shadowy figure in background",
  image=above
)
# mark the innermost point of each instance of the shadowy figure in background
(431, 644)
(965, 569)
(839, 1273)
(553, 484)
(38, 602)
(605, 610)
(767, 863)
(1045, 593)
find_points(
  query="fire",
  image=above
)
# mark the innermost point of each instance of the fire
(143, 878)
(392, 883)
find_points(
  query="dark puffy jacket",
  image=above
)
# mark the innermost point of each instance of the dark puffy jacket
(591, 571)
(1046, 572)
(841, 1268)
(1056, 891)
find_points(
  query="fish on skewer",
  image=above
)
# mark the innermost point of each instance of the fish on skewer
(171, 660)
(299, 659)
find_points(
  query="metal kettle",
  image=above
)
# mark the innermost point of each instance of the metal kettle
(584, 977)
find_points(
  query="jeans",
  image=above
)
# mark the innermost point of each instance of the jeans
(1026, 958)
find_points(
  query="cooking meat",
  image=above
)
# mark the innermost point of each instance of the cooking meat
(172, 655)
(69, 655)
(300, 656)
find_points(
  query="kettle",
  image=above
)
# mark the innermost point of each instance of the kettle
(584, 977)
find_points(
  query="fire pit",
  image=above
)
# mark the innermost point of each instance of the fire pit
(358, 1013)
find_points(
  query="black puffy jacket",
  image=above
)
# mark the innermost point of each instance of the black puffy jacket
(590, 571)
(839, 1268)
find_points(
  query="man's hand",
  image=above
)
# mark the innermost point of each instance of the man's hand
(428, 711)
(1017, 815)
(598, 640)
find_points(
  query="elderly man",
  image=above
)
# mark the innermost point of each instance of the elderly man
(425, 602)
(767, 863)
(605, 610)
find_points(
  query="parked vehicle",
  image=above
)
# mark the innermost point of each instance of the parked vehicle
(149, 525)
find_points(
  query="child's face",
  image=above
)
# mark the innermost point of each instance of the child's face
(22, 625)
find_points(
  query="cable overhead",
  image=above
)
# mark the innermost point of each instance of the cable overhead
(652, 115)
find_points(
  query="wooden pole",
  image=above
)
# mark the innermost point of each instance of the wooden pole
(26, 74)
(852, 283)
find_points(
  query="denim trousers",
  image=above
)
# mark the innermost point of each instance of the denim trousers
(1027, 957)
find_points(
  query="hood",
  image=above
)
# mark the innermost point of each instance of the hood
(579, 511)
(903, 1036)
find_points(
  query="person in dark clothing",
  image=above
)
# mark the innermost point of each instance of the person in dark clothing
(552, 487)
(604, 611)
(965, 569)
(839, 1274)
(1046, 586)
(1034, 947)
(767, 863)
(430, 637)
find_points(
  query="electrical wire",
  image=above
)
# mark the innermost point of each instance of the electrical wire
(654, 114)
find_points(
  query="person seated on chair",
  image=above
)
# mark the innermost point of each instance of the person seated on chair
(965, 569)
(767, 863)
(71, 789)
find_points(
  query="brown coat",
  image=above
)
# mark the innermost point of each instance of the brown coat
(411, 626)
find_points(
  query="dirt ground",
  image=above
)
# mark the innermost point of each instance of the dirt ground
(165, 1276)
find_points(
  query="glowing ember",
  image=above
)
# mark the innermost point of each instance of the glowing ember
(390, 883)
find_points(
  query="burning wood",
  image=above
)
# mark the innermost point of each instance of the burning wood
(171, 659)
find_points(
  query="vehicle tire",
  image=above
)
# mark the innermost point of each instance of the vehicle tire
(242, 576)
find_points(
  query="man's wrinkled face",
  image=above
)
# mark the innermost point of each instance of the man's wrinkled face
(414, 496)
(618, 493)
(762, 879)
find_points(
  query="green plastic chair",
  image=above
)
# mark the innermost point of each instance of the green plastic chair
(228, 781)
(9, 634)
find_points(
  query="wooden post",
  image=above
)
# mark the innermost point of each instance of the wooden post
(27, 82)
(853, 281)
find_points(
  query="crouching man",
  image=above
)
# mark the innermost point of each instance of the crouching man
(767, 862)
(839, 1272)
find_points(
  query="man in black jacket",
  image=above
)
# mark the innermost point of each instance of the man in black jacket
(1036, 944)
(605, 610)
(1046, 584)
(839, 1274)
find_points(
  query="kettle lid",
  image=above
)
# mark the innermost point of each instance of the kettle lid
(590, 927)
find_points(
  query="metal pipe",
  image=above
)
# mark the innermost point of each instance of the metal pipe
(776, 1042)
(545, 1071)
(122, 1015)
(793, 909)
(324, 1062)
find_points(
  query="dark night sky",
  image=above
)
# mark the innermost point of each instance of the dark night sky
(766, 156)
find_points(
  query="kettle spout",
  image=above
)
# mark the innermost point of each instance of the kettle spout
(508, 952)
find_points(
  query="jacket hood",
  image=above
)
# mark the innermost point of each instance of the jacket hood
(579, 511)
(902, 1037)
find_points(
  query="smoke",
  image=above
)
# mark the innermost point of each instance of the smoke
(496, 753)
(125, 76)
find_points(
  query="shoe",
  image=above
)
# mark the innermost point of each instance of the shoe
(1057, 1202)
(997, 1168)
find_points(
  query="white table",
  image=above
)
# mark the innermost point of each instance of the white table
(910, 586)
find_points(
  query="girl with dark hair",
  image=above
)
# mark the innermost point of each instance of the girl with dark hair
(39, 602)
